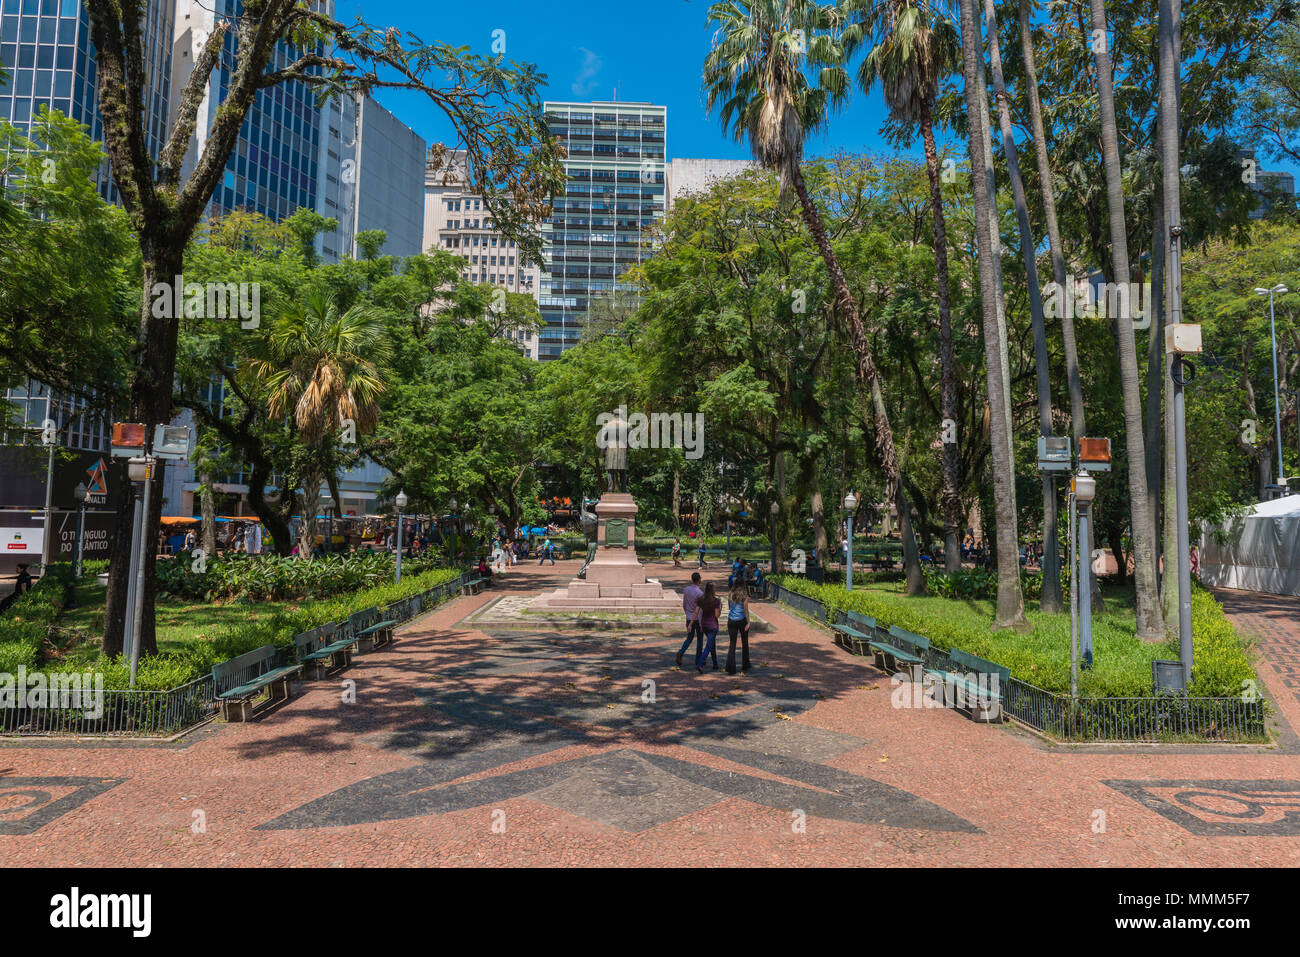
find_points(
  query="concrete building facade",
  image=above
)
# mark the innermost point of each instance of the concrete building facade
(457, 221)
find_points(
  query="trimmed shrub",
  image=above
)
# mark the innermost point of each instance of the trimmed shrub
(1041, 656)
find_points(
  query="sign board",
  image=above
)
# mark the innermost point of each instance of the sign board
(616, 532)
(22, 542)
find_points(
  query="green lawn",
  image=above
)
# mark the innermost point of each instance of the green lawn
(179, 623)
(1041, 655)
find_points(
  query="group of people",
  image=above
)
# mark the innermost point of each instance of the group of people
(702, 607)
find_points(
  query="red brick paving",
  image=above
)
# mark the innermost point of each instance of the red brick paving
(1029, 804)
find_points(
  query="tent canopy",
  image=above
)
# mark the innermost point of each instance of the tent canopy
(1257, 551)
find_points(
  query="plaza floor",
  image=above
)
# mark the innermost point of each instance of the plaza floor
(465, 747)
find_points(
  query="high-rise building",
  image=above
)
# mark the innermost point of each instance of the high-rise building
(692, 177)
(45, 48)
(457, 221)
(274, 168)
(616, 189)
(373, 178)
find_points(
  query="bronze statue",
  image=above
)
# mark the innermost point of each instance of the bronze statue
(614, 440)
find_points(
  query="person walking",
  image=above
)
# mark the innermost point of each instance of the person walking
(541, 552)
(708, 612)
(738, 626)
(677, 553)
(691, 596)
(703, 563)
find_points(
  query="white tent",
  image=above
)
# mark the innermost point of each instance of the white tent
(1258, 551)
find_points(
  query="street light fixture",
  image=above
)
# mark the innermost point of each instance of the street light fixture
(1084, 489)
(850, 506)
(1279, 289)
(776, 510)
(81, 493)
(400, 501)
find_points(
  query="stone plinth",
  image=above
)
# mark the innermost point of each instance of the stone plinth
(615, 579)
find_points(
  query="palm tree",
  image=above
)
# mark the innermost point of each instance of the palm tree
(1010, 600)
(756, 73)
(1150, 624)
(1050, 599)
(912, 54)
(325, 369)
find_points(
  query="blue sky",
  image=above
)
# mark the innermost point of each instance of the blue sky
(647, 50)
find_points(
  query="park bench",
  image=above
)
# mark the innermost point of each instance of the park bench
(884, 563)
(324, 648)
(979, 689)
(902, 647)
(475, 585)
(370, 628)
(241, 679)
(855, 633)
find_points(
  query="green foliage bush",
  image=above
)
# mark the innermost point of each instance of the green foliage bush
(23, 631)
(1041, 656)
(274, 577)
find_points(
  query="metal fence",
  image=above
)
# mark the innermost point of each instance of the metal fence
(159, 714)
(1157, 719)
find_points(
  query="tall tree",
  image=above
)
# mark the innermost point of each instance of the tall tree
(324, 367)
(1050, 599)
(913, 52)
(493, 106)
(1150, 625)
(757, 72)
(1010, 599)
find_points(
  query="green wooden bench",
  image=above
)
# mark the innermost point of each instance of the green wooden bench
(978, 690)
(324, 648)
(370, 628)
(903, 648)
(855, 633)
(475, 585)
(241, 679)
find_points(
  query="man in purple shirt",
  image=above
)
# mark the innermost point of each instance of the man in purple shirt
(691, 605)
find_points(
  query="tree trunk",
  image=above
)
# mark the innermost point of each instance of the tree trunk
(1051, 599)
(208, 507)
(995, 234)
(1053, 229)
(271, 518)
(819, 520)
(150, 404)
(1150, 626)
(677, 499)
(867, 373)
(947, 362)
(1010, 600)
(312, 480)
(1155, 379)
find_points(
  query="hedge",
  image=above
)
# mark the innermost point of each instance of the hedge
(1041, 656)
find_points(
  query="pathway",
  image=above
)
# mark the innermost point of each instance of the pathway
(591, 748)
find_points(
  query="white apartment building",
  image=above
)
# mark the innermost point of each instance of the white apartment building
(457, 220)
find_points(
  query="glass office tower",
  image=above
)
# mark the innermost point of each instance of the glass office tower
(615, 168)
(45, 48)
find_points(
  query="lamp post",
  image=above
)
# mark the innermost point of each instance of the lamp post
(1277, 402)
(80, 493)
(400, 501)
(455, 531)
(140, 470)
(850, 506)
(1085, 490)
(776, 510)
(328, 505)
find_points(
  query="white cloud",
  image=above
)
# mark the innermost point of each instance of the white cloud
(585, 82)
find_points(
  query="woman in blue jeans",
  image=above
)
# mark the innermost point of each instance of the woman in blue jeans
(709, 606)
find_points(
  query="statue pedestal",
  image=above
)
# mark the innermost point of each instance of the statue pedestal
(616, 580)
